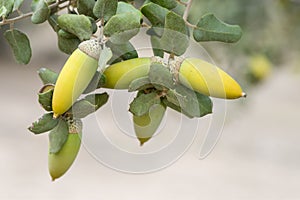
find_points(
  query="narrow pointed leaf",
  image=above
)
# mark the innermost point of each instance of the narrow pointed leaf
(210, 28)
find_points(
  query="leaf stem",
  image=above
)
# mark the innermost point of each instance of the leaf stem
(26, 15)
(190, 25)
(188, 5)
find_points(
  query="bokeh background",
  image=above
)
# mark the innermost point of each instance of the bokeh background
(256, 158)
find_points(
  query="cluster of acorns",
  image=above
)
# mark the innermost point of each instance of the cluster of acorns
(183, 74)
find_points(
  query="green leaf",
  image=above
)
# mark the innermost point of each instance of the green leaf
(156, 15)
(174, 97)
(17, 4)
(125, 51)
(210, 28)
(156, 47)
(105, 9)
(128, 8)
(6, 7)
(68, 45)
(20, 45)
(205, 104)
(105, 56)
(78, 25)
(192, 103)
(97, 99)
(160, 75)
(122, 27)
(143, 102)
(47, 76)
(169, 4)
(97, 82)
(65, 34)
(88, 105)
(114, 60)
(175, 107)
(41, 11)
(174, 38)
(3, 11)
(58, 136)
(44, 124)
(140, 84)
(85, 7)
(45, 99)
(52, 20)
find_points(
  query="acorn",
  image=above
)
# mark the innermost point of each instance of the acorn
(75, 76)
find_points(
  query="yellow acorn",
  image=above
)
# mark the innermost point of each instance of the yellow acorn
(121, 74)
(146, 125)
(194, 73)
(59, 163)
(208, 79)
(75, 76)
(260, 66)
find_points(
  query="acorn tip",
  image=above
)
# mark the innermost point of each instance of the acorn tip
(244, 95)
(55, 115)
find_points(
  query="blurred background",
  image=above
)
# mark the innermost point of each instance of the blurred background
(257, 156)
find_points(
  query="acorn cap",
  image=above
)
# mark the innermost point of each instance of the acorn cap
(91, 48)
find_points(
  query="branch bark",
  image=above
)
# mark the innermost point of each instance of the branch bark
(26, 15)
